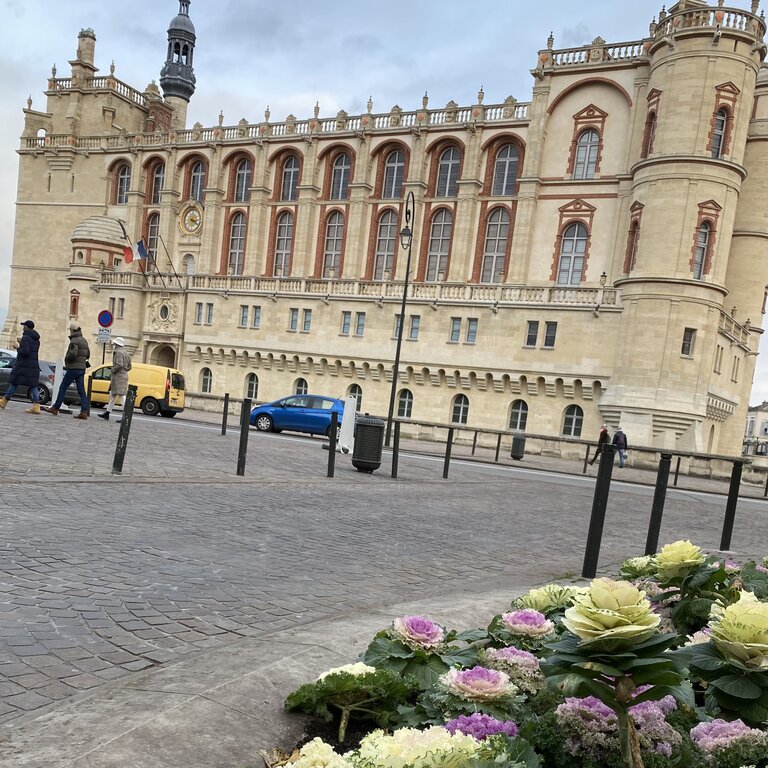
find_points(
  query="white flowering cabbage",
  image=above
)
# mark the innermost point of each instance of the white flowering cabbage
(351, 669)
(433, 747)
(678, 559)
(318, 754)
(740, 630)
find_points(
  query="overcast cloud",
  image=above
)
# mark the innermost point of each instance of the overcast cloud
(293, 53)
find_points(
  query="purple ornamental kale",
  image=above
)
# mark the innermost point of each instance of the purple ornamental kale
(480, 726)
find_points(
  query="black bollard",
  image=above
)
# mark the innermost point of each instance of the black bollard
(332, 446)
(677, 470)
(125, 428)
(225, 414)
(396, 449)
(586, 461)
(730, 507)
(597, 518)
(474, 444)
(448, 444)
(498, 448)
(657, 510)
(89, 390)
(245, 415)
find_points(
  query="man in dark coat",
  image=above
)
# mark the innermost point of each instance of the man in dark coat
(620, 441)
(75, 363)
(26, 371)
(601, 441)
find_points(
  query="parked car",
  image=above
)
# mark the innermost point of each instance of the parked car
(159, 390)
(7, 352)
(298, 413)
(45, 384)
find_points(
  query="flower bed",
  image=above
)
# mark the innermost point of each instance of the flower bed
(667, 665)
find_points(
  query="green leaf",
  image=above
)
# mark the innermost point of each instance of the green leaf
(463, 657)
(735, 685)
(657, 678)
(599, 669)
(426, 674)
(472, 635)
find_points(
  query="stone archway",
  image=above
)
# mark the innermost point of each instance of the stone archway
(163, 355)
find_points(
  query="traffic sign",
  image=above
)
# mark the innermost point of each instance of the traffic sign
(104, 336)
(105, 318)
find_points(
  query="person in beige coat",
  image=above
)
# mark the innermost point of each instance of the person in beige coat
(118, 385)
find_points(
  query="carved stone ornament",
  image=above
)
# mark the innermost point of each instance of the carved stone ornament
(163, 315)
(596, 52)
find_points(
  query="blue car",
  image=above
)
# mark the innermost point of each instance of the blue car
(298, 413)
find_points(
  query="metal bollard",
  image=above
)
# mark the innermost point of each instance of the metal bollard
(332, 444)
(765, 492)
(474, 444)
(125, 428)
(730, 507)
(226, 413)
(586, 461)
(597, 518)
(245, 415)
(396, 449)
(448, 444)
(657, 510)
(677, 470)
(498, 448)
(89, 391)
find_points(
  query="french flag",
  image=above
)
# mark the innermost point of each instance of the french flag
(137, 251)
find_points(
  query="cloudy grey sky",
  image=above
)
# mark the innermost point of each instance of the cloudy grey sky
(292, 53)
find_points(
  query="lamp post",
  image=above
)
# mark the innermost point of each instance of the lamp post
(406, 243)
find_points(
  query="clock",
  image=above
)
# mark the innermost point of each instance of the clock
(191, 221)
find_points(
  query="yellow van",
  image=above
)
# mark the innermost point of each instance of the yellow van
(159, 389)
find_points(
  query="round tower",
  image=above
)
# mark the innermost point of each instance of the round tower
(676, 381)
(177, 77)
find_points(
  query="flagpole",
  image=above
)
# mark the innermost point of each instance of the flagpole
(125, 235)
(170, 261)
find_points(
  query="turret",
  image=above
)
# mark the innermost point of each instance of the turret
(177, 77)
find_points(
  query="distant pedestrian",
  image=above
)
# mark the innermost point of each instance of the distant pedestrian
(620, 441)
(75, 363)
(25, 371)
(118, 384)
(602, 439)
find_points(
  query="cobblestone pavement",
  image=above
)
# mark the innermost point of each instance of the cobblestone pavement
(101, 576)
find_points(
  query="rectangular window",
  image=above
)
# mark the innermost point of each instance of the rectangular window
(256, 317)
(306, 324)
(413, 333)
(455, 329)
(471, 330)
(243, 315)
(209, 314)
(360, 324)
(718, 358)
(346, 323)
(112, 304)
(689, 336)
(120, 309)
(532, 334)
(398, 322)
(293, 319)
(735, 370)
(751, 426)
(199, 313)
(550, 333)
(116, 263)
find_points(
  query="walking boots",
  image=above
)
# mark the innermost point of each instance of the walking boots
(53, 410)
(82, 415)
(3, 402)
(34, 409)
(104, 415)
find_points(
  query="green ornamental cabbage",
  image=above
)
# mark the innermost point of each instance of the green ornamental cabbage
(740, 630)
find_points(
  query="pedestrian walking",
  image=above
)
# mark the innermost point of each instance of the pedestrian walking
(26, 370)
(118, 383)
(620, 441)
(602, 439)
(75, 363)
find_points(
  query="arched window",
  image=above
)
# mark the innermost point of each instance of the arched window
(334, 238)
(243, 181)
(718, 132)
(634, 237)
(405, 404)
(283, 244)
(460, 409)
(587, 147)
(290, 180)
(300, 387)
(518, 415)
(153, 238)
(703, 237)
(236, 256)
(251, 386)
(74, 303)
(158, 179)
(572, 250)
(650, 134)
(394, 169)
(197, 181)
(122, 184)
(495, 250)
(439, 245)
(447, 173)
(357, 393)
(505, 171)
(188, 264)
(386, 240)
(340, 177)
(206, 381)
(573, 418)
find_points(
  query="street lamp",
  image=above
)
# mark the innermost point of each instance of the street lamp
(406, 243)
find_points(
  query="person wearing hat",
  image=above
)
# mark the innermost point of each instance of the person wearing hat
(75, 363)
(601, 441)
(25, 371)
(118, 384)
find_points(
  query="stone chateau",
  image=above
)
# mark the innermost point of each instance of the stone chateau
(594, 255)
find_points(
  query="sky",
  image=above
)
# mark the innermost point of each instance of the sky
(291, 54)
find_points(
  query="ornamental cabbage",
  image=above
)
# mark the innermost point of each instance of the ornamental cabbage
(740, 630)
(350, 669)
(318, 754)
(434, 747)
(478, 684)
(550, 597)
(678, 559)
(419, 632)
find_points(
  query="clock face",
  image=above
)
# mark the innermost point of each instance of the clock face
(191, 220)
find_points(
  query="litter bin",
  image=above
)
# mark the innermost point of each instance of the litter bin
(518, 447)
(369, 443)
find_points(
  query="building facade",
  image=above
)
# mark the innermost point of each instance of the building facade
(594, 255)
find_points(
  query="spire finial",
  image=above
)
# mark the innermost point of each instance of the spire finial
(53, 70)
(551, 40)
(112, 67)
(480, 95)
(755, 5)
(29, 101)
(317, 109)
(425, 100)
(267, 113)
(221, 117)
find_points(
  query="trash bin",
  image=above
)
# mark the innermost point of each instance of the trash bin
(518, 446)
(369, 443)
